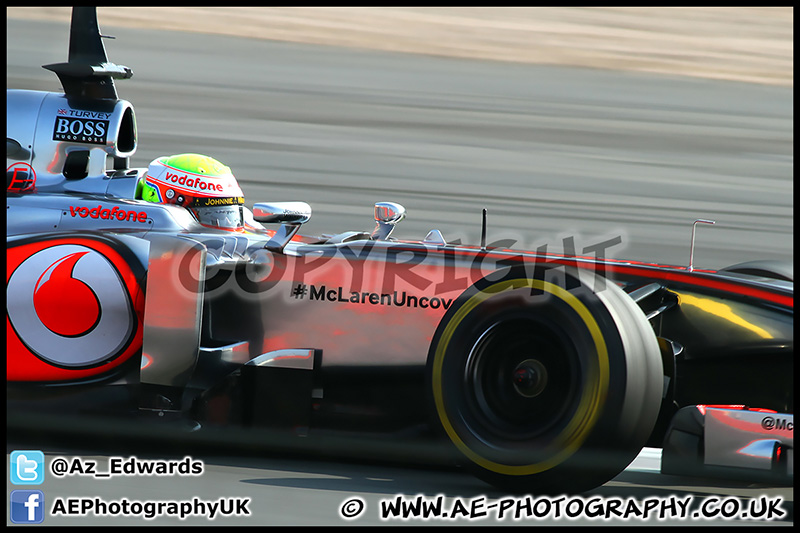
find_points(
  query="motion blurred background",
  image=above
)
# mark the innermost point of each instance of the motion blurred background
(584, 122)
(744, 44)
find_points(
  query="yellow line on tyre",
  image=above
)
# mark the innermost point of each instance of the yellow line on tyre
(578, 429)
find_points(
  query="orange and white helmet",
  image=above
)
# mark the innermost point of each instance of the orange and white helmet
(198, 182)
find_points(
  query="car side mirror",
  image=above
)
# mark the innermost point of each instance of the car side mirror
(387, 215)
(282, 212)
(291, 215)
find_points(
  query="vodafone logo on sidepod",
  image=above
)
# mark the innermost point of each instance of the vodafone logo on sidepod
(69, 306)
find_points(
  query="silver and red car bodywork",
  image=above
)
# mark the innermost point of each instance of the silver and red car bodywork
(499, 351)
(730, 441)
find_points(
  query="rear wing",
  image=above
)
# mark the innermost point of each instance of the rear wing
(88, 74)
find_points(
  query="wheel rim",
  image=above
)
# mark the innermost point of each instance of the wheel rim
(520, 380)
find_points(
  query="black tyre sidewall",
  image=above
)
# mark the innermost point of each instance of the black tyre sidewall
(579, 446)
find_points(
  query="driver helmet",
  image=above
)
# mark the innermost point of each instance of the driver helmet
(198, 182)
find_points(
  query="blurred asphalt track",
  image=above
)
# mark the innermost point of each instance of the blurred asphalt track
(550, 152)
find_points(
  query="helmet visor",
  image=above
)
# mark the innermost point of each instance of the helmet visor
(220, 216)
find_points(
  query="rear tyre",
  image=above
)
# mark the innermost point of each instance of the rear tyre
(547, 385)
(767, 268)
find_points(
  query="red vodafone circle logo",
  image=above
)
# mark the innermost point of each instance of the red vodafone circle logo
(69, 306)
(50, 289)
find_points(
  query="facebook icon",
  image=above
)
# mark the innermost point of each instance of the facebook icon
(27, 506)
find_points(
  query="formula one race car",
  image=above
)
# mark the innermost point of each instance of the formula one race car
(541, 372)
